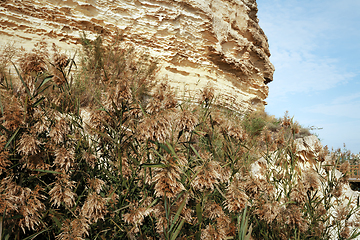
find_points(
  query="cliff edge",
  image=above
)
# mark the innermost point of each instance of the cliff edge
(195, 41)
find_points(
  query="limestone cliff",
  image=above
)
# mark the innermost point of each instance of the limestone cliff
(195, 41)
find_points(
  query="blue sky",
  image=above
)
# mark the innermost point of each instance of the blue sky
(315, 48)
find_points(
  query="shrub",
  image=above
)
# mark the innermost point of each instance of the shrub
(101, 152)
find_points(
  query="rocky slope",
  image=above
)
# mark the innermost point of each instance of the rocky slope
(195, 41)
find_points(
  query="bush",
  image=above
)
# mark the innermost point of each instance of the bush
(102, 153)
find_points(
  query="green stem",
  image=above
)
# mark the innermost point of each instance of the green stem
(1, 222)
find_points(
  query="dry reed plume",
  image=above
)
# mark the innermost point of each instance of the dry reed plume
(99, 151)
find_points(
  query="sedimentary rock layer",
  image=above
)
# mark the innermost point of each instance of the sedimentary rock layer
(195, 41)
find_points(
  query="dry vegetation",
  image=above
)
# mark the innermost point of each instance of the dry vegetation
(88, 153)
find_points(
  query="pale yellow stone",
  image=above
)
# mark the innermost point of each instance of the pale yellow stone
(195, 41)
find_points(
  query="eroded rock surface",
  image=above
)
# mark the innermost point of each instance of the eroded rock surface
(195, 41)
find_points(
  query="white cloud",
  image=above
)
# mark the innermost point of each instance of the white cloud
(348, 110)
(315, 47)
(347, 106)
(295, 32)
(347, 98)
(336, 134)
(304, 74)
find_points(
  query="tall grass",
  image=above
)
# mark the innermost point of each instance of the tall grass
(97, 150)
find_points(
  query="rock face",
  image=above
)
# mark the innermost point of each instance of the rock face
(195, 41)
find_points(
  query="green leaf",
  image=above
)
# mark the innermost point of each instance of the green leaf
(157, 153)
(22, 80)
(222, 194)
(12, 138)
(1, 106)
(153, 203)
(57, 222)
(173, 237)
(196, 152)
(155, 165)
(172, 150)
(71, 63)
(46, 171)
(45, 80)
(17, 216)
(243, 226)
(38, 101)
(1, 224)
(142, 110)
(100, 133)
(177, 214)
(163, 146)
(199, 212)
(167, 209)
(36, 234)
(198, 235)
